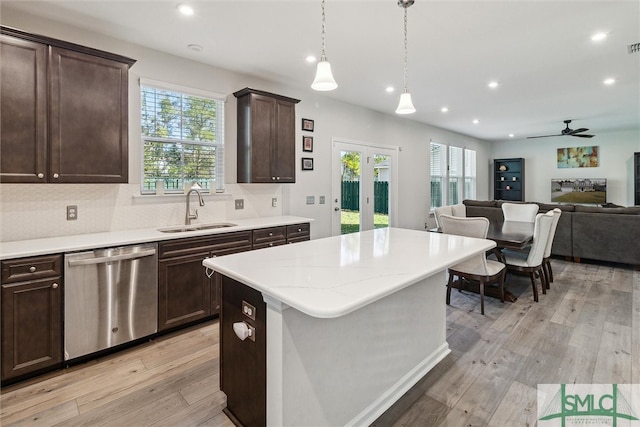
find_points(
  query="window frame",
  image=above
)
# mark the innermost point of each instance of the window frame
(218, 144)
(468, 176)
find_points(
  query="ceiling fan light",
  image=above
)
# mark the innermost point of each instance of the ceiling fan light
(405, 106)
(324, 80)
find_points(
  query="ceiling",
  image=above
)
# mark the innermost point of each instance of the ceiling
(540, 52)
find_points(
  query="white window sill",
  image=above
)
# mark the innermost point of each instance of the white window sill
(177, 197)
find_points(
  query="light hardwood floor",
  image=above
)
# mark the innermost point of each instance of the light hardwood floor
(585, 330)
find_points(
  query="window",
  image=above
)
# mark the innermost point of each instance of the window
(183, 138)
(455, 166)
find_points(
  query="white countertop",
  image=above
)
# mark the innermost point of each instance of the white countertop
(79, 242)
(334, 276)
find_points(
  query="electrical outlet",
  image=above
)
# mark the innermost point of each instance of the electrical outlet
(274, 202)
(72, 212)
(239, 204)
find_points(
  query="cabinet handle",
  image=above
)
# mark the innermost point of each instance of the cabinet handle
(40, 175)
(270, 234)
(55, 286)
(270, 244)
(32, 269)
(299, 230)
(273, 178)
(56, 176)
(278, 178)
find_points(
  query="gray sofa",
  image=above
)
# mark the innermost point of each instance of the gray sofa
(589, 232)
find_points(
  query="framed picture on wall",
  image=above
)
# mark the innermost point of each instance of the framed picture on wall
(307, 164)
(307, 124)
(307, 143)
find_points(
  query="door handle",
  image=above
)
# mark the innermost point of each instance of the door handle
(336, 209)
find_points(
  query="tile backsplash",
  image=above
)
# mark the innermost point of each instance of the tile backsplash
(32, 211)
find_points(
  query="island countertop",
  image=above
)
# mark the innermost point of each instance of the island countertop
(334, 276)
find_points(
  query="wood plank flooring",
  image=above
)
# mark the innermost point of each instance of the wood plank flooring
(585, 330)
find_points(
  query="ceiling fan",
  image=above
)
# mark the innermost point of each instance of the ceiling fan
(568, 132)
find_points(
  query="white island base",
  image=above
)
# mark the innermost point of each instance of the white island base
(349, 370)
(344, 326)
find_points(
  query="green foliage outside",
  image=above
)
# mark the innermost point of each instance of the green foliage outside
(350, 222)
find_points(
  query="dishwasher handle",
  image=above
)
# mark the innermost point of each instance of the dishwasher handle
(112, 258)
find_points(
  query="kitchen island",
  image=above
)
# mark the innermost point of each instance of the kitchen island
(339, 328)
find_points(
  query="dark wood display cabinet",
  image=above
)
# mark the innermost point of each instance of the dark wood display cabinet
(64, 112)
(636, 179)
(185, 293)
(508, 179)
(32, 296)
(266, 137)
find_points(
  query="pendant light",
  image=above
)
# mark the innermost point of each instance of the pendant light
(406, 105)
(324, 79)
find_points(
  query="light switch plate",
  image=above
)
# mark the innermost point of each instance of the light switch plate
(239, 203)
(321, 200)
(311, 200)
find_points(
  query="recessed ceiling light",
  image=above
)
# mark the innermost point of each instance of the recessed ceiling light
(609, 81)
(390, 89)
(444, 109)
(493, 84)
(185, 9)
(511, 135)
(476, 121)
(598, 36)
(195, 47)
(311, 59)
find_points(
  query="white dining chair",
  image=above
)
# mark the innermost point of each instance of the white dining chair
(459, 210)
(478, 269)
(523, 212)
(546, 260)
(532, 264)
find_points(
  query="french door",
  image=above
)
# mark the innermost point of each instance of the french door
(364, 186)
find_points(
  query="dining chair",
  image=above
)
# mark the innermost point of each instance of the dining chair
(478, 269)
(546, 260)
(532, 264)
(459, 210)
(524, 212)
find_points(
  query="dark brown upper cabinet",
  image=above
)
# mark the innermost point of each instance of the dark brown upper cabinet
(64, 112)
(266, 137)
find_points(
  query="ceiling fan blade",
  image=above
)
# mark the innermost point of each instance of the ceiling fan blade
(583, 135)
(578, 131)
(543, 136)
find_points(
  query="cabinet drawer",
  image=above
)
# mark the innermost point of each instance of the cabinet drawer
(298, 233)
(24, 269)
(265, 237)
(218, 244)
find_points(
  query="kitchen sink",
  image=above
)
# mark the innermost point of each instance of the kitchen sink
(196, 227)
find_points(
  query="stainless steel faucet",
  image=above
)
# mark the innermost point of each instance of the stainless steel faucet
(195, 188)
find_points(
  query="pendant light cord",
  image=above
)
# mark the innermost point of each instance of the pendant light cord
(405, 48)
(323, 56)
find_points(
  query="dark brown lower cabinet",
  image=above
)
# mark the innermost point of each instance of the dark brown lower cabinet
(185, 293)
(31, 316)
(243, 375)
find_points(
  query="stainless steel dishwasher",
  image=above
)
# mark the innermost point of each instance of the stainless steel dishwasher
(111, 297)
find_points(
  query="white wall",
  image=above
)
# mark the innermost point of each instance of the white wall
(615, 163)
(36, 211)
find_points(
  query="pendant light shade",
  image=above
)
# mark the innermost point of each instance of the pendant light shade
(406, 105)
(324, 80)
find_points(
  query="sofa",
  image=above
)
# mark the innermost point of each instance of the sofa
(591, 232)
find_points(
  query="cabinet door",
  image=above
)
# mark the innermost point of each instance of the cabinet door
(262, 137)
(23, 102)
(283, 149)
(88, 113)
(184, 291)
(31, 326)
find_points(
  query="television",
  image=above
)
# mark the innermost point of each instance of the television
(584, 191)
